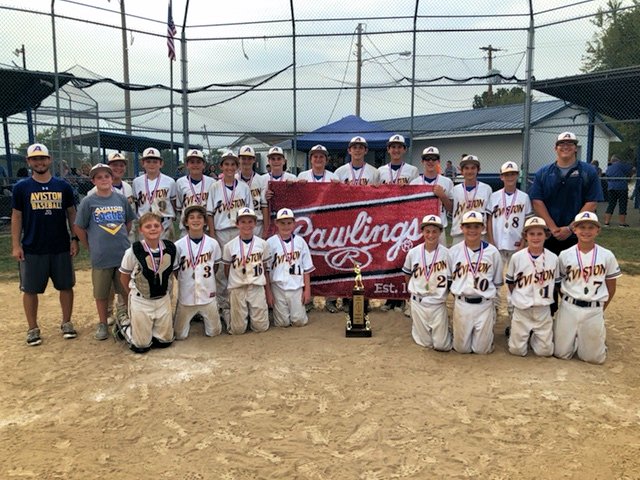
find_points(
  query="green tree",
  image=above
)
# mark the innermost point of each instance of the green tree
(502, 96)
(49, 138)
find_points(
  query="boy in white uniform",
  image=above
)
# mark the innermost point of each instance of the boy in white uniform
(146, 274)
(156, 192)
(589, 274)
(227, 197)
(475, 269)
(396, 171)
(532, 274)
(277, 162)
(289, 273)
(469, 195)
(357, 171)
(426, 269)
(318, 156)
(258, 187)
(245, 259)
(193, 188)
(198, 257)
(442, 186)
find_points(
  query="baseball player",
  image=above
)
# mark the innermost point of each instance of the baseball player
(226, 198)
(146, 275)
(532, 274)
(258, 186)
(245, 259)
(192, 189)
(155, 192)
(442, 186)
(357, 171)
(589, 274)
(471, 195)
(289, 273)
(198, 259)
(475, 268)
(397, 171)
(426, 269)
(318, 156)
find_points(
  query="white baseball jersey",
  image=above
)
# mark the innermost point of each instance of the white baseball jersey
(475, 273)
(404, 174)
(584, 274)
(285, 177)
(123, 189)
(309, 176)
(155, 195)
(290, 260)
(196, 275)
(464, 201)
(246, 261)
(429, 273)
(224, 203)
(445, 183)
(366, 175)
(533, 278)
(258, 188)
(508, 212)
(190, 193)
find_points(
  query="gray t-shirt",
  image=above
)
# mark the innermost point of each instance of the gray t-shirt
(105, 219)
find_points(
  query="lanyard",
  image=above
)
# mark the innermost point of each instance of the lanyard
(243, 257)
(535, 269)
(198, 198)
(594, 258)
(472, 269)
(228, 201)
(195, 260)
(356, 180)
(151, 195)
(466, 198)
(395, 179)
(154, 267)
(287, 256)
(313, 176)
(429, 271)
(504, 205)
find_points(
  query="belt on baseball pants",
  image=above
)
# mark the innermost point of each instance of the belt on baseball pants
(471, 299)
(581, 303)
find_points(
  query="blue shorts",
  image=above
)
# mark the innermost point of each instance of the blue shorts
(36, 270)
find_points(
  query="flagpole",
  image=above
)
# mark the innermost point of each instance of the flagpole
(171, 32)
(171, 106)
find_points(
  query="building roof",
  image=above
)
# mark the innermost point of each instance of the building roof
(26, 89)
(123, 142)
(482, 120)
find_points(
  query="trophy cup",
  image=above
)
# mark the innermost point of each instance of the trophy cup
(358, 317)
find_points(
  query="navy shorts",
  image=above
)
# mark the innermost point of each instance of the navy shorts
(36, 270)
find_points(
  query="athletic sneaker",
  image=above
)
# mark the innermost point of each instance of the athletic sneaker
(68, 331)
(33, 337)
(102, 332)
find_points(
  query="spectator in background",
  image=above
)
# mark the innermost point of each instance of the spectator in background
(618, 174)
(450, 170)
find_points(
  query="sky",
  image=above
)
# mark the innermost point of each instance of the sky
(246, 40)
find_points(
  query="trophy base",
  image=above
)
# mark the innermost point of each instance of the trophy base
(360, 332)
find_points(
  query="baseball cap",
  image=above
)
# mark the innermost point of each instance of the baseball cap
(195, 154)
(509, 167)
(246, 212)
(567, 137)
(99, 166)
(116, 157)
(434, 220)
(431, 151)
(472, 217)
(37, 150)
(247, 151)
(275, 151)
(534, 222)
(319, 149)
(586, 217)
(470, 159)
(358, 141)
(228, 154)
(151, 153)
(284, 213)
(193, 208)
(397, 139)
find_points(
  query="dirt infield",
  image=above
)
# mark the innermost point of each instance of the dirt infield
(310, 404)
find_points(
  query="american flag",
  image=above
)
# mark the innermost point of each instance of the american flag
(171, 32)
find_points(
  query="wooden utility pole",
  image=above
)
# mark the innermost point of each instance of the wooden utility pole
(489, 49)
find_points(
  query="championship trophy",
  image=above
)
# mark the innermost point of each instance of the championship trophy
(358, 317)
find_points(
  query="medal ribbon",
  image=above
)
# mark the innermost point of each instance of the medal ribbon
(474, 270)
(356, 179)
(466, 198)
(284, 249)
(313, 175)
(228, 201)
(243, 257)
(155, 268)
(279, 179)
(594, 258)
(504, 204)
(395, 179)
(429, 271)
(151, 195)
(195, 260)
(535, 269)
(193, 191)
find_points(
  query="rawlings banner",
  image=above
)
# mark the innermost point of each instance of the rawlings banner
(343, 224)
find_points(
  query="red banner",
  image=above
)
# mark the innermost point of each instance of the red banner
(344, 224)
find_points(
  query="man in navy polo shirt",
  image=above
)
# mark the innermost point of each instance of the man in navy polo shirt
(43, 213)
(563, 189)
